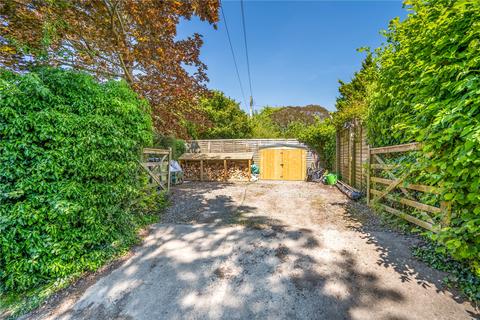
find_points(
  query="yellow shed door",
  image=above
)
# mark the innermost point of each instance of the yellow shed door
(283, 164)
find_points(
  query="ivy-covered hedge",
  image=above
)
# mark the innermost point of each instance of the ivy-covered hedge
(70, 187)
(428, 90)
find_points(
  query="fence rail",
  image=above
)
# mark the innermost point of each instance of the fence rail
(397, 148)
(394, 185)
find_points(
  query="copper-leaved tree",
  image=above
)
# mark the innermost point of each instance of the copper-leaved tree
(130, 39)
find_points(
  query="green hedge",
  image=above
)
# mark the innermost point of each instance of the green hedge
(321, 137)
(69, 185)
(429, 91)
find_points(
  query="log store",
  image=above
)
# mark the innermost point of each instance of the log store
(217, 166)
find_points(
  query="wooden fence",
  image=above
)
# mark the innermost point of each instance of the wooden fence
(388, 189)
(352, 156)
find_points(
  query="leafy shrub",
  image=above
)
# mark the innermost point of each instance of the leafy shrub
(321, 138)
(428, 90)
(179, 148)
(70, 186)
(178, 145)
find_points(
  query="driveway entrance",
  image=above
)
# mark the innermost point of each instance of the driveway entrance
(269, 250)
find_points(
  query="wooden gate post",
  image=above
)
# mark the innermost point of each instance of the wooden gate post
(168, 167)
(368, 175)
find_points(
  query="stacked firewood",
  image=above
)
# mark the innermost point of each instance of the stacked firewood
(191, 171)
(237, 171)
(215, 171)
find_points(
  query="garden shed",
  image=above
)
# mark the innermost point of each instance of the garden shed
(278, 159)
(283, 162)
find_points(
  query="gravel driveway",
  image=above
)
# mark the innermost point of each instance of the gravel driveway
(267, 250)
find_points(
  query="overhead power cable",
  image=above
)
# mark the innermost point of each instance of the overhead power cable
(233, 55)
(246, 52)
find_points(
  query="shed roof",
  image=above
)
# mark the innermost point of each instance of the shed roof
(283, 145)
(217, 156)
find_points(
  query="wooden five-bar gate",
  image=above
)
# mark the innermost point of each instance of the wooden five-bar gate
(388, 189)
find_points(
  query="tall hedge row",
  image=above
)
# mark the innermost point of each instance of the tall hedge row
(69, 179)
(428, 90)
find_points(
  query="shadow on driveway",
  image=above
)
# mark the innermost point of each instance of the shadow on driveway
(208, 267)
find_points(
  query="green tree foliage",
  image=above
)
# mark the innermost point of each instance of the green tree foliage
(354, 98)
(263, 126)
(428, 90)
(285, 117)
(286, 122)
(226, 119)
(71, 191)
(116, 39)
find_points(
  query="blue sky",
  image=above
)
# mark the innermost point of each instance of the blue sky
(298, 50)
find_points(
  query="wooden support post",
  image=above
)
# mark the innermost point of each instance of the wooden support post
(225, 170)
(249, 169)
(201, 170)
